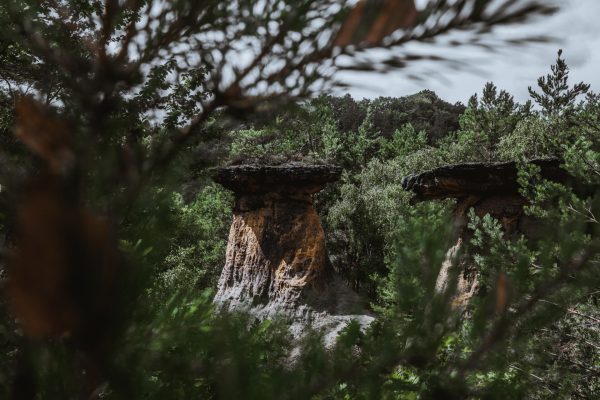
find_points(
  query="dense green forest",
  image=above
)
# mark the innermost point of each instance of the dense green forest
(114, 233)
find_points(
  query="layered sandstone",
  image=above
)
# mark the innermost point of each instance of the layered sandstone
(276, 262)
(488, 188)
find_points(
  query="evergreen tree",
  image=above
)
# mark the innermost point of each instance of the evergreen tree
(491, 118)
(556, 96)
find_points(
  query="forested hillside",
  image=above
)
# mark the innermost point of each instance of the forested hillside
(114, 231)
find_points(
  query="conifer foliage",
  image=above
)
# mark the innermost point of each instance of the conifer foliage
(556, 96)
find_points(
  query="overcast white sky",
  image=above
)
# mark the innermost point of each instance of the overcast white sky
(576, 28)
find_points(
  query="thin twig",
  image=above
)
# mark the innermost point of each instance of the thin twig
(572, 311)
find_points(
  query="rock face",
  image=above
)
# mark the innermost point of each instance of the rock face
(488, 188)
(276, 262)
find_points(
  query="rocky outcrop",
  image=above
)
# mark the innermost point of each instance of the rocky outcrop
(488, 188)
(276, 262)
(460, 181)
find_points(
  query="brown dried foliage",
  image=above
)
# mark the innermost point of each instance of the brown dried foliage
(370, 21)
(63, 272)
(43, 134)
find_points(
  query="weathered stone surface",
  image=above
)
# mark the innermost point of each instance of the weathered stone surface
(276, 261)
(488, 188)
(286, 178)
(476, 179)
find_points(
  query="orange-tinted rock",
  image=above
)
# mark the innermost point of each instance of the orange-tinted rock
(276, 260)
(276, 250)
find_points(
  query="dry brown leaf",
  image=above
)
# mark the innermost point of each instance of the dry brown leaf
(501, 292)
(370, 21)
(44, 134)
(63, 271)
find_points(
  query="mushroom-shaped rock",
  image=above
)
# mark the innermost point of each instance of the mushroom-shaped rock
(488, 188)
(276, 261)
(477, 179)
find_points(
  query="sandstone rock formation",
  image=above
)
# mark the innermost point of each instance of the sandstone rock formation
(488, 188)
(276, 262)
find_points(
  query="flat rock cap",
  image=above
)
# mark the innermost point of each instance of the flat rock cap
(477, 179)
(255, 178)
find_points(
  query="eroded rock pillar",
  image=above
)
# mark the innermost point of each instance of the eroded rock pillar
(487, 188)
(276, 256)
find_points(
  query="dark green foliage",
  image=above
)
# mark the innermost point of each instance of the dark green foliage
(347, 112)
(197, 245)
(425, 111)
